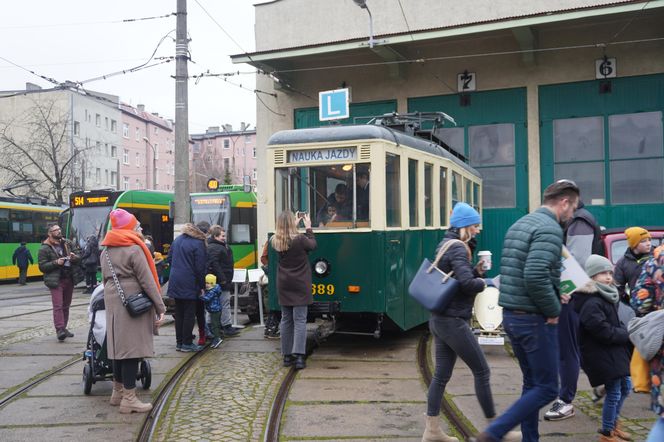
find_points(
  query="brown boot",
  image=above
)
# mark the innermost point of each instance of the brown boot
(433, 432)
(619, 431)
(116, 396)
(605, 438)
(130, 403)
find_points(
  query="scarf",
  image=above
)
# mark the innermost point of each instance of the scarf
(608, 291)
(124, 238)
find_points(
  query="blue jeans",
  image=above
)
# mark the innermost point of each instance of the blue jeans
(226, 319)
(293, 329)
(535, 344)
(568, 326)
(616, 393)
(657, 431)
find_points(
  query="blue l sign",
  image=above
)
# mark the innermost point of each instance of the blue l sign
(333, 105)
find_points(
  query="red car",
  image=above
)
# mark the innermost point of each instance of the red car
(615, 241)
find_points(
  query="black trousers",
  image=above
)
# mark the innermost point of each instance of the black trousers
(22, 275)
(125, 371)
(90, 278)
(200, 315)
(185, 315)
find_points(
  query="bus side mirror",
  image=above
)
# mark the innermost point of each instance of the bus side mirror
(246, 181)
(171, 209)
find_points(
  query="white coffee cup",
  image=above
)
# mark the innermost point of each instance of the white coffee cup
(485, 258)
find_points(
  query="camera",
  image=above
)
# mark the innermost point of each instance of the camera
(300, 214)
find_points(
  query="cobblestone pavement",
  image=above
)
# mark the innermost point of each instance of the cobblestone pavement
(226, 396)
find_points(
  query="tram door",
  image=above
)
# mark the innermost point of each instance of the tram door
(394, 276)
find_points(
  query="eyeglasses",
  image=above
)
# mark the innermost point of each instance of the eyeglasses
(54, 230)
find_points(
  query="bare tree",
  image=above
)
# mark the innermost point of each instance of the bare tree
(36, 147)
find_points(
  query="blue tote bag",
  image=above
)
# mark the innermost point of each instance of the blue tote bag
(432, 287)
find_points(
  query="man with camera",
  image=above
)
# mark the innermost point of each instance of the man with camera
(62, 271)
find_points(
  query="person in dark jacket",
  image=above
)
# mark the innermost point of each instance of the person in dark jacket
(604, 343)
(188, 260)
(61, 269)
(220, 263)
(582, 237)
(90, 261)
(293, 285)
(22, 258)
(452, 334)
(530, 297)
(212, 300)
(628, 267)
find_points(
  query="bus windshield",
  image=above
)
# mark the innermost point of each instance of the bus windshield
(214, 209)
(86, 221)
(334, 196)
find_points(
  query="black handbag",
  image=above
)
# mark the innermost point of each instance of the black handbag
(136, 304)
(432, 287)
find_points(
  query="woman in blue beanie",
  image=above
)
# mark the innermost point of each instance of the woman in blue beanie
(451, 329)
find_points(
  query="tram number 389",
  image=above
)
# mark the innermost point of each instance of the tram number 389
(322, 289)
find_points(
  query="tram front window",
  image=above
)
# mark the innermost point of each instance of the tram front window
(86, 221)
(334, 196)
(214, 209)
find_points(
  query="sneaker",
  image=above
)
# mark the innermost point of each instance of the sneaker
(201, 341)
(598, 393)
(271, 334)
(178, 347)
(559, 411)
(190, 348)
(61, 334)
(216, 342)
(229, 331)
(69, 334)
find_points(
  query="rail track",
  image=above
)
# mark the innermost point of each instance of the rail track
(39, 311)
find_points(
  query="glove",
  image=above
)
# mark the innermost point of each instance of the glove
(489, 282)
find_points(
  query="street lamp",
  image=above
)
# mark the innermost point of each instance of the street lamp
(363, 4)
(154, 163)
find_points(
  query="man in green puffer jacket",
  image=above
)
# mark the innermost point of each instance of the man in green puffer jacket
(529, 294)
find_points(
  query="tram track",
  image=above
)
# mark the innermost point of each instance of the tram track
(39, 311)
(448, 410)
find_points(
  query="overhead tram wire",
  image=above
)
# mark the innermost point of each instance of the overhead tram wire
(620, 31)
(55, 25)
(43, 77)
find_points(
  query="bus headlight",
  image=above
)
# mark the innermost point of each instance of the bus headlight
(321, 267)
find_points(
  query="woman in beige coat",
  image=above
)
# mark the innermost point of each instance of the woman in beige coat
(128, 339)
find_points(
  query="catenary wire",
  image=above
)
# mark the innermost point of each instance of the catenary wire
(54, 25)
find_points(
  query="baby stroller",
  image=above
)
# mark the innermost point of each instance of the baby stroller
(98, 367)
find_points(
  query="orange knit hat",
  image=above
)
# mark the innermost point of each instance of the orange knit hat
(635, 235)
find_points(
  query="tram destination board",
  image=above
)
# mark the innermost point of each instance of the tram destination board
(91, 200)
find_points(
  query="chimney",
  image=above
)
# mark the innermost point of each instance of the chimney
(243, 126)
(212, 130)
(32, 87)
(156, 114)
(228, 127)
(140, 107)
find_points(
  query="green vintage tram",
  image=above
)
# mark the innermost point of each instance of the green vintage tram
(379, 199)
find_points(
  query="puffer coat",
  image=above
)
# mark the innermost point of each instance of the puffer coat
(188, 259)
(456, 259)
(47, 259)
(294, 271)
(128, 337)
(530, 265)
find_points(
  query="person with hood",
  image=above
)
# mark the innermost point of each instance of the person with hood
(22, 258)
(188, 260)
(220, 263)
(627, 272)
(451, 330)
(604, 343)
(128, 339)
(90, 261)
(60, 266)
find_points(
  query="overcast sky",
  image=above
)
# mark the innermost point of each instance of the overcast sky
(78, 40)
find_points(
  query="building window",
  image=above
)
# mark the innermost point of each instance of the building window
(392, 191)
(125, 156)
(98, 175)
(156, 151)
(106, 176)
(106, 149)
(114, 151)
(125, 183)
(492, 154)
(156, 130)
(253, 175)
(97, 120)
(125, 130)
(77, 128)
(98, 146)
(254, 153)
(114, 126)
(138, 159)
(114, 178)
(453, 137)
(106, 123)
(138, 134)
(227, 144)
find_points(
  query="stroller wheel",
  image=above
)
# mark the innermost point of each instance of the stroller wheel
(145, 374)
(87, 379)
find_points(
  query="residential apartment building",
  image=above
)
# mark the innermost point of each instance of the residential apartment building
(146, 156)
(225, 154)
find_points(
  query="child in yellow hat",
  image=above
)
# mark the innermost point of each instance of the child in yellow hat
(212, 299)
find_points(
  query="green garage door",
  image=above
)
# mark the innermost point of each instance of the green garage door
(360, 113)
(491, 131)
(607, 136)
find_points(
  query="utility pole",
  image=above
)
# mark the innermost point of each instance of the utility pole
(182, 205)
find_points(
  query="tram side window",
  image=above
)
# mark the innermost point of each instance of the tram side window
(243, 225)
(392, 192)
(476, 196)
(413, 199)
(468, 194)
(4, 225)
(428, 197)
(456, 188)
(443, 196)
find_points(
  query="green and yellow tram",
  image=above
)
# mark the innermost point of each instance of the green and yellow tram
(19, 222)
(366, 256)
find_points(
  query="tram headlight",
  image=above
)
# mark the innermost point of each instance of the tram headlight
(321, 267)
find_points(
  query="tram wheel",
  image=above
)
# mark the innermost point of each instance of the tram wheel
(146, 375)
(87, 379)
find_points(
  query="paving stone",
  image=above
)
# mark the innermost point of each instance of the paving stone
(371, 390)
(327, 368)
(117, 433)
